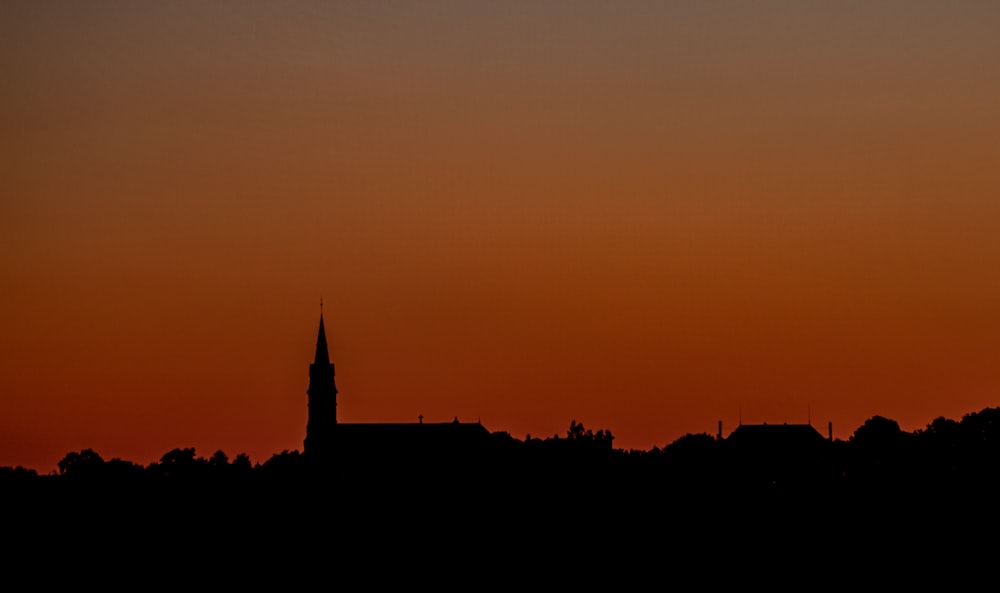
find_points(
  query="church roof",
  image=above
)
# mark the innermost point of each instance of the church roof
(399, 442)
(413, 432)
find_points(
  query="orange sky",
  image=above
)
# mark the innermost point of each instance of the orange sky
(648, 217)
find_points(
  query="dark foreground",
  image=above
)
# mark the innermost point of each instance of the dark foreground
(489, 530)
(886, 509)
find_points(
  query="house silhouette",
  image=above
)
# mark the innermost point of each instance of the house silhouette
(775, 437)
(779, 453)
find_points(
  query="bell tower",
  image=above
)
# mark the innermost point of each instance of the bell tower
(322, 401)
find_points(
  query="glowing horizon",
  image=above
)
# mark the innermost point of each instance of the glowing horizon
(646, 218)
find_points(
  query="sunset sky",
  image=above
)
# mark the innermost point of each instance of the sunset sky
(648, 217)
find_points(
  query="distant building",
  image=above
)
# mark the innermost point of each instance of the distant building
(776, 437)
(327, 439)
(780, 452)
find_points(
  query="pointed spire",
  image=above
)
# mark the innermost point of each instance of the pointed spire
(322, 393)
(322, 353)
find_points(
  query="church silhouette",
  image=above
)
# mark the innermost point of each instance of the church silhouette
(328, 440)
(785, 447)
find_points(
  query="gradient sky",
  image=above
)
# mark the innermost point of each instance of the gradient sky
(648, 217)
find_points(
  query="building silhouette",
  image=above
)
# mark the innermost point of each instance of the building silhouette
(329, 440)
(777, 437)
(780, 453)
(322, 402)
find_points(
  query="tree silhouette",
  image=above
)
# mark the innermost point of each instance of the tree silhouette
(242, 462)
(218, 460)
(877, 432)
(85, 463)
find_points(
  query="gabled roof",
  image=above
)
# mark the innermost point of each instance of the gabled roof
(775, 436)
(404, 438)
(411, 431)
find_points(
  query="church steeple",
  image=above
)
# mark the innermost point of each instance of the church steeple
(322, 394)
(322, 353)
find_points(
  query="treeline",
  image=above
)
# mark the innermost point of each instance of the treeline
(512, 503)
(878, 453)
(950, 453)
(184, 465)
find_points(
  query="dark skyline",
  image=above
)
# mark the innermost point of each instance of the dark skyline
(646, 217)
